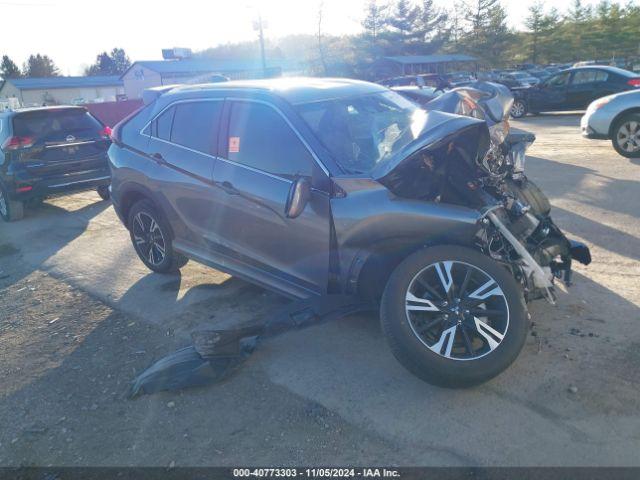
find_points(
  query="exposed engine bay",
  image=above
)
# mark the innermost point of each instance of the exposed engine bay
(484, 168)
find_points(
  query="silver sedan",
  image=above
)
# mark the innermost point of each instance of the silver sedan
(616, 118)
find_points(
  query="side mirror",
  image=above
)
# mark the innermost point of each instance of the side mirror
(298, 197)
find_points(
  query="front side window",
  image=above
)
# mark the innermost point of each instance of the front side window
(365, 130)
(260, 138)
(559, 80)
(195, 125)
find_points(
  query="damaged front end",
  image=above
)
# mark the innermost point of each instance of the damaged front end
(461, 161)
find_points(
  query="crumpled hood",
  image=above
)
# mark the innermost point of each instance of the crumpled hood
(446, 138)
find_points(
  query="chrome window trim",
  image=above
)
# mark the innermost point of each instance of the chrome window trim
(288, 122)
(183, 147)
(235, 99)
(255, 170)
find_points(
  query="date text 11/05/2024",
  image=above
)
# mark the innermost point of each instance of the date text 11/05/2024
(315, 473)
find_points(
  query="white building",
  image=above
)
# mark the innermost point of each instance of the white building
(62, 90)
(147, 74)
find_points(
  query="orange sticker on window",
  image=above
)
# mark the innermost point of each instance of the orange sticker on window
(234, 144)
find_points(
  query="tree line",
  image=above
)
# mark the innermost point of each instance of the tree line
(478, 28)
(606, 31)
(37, 65)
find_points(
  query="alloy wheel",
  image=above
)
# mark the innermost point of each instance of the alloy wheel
(517, 109)
(628, 136)
(457, 310)
(149, 239)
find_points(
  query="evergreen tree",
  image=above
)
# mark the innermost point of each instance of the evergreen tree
(374, 21)
(433, 28)
(40, 66)
(534, 23)
(8, 68)
(404, 27)
(114, 63)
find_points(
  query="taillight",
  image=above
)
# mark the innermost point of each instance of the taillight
(15, 143)
(105, 132)
(634, 82)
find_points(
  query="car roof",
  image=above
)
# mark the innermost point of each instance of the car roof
(295, 90)
(8, 113)
(607, 68)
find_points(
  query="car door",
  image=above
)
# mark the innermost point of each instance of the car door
(183, 140)
(583, 89)
(261, 157)
(551, 94)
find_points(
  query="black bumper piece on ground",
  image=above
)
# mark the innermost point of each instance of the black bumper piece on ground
(216, 353)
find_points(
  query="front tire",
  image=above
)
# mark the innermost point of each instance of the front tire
(453, 317)
(518, 109)
(626, 136)
(10, 210)
(103, 191)
(151, 238)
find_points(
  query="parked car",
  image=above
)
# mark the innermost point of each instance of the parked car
(574, 89)
(525, 79)
(616, 118)
(48, 151)
(459, 79)
(540, 74)
(315, 187)
(510, 82)
(419, 95)
(433, 80)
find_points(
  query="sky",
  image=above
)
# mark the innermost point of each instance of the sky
(73, 32)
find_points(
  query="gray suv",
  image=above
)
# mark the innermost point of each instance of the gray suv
(314, 187)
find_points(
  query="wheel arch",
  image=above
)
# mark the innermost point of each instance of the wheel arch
(132, 194)
(620, 116)
(372, 266)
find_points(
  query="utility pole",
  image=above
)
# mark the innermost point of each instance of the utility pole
(260, 28)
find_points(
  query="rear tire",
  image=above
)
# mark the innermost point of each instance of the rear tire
(151, 238)
(10, 210)
(626, 136)
(445, 340)
(103, 191)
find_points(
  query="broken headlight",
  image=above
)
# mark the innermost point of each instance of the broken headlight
(494, 161)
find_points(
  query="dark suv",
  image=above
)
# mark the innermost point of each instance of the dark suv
(50, 151)
(314, 187)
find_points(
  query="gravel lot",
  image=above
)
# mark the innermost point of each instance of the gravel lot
(80, 316)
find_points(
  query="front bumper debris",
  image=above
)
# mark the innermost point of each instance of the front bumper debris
(215, 354)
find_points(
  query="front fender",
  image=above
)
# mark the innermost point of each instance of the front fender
(368, 215)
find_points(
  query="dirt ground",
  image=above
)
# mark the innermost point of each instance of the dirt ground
(80, 316)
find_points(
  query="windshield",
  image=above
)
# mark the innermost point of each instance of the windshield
(362, 131)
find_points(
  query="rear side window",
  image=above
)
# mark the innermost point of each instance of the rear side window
(195, 125)
(260, 138)
(56, 125)
(584, 76)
